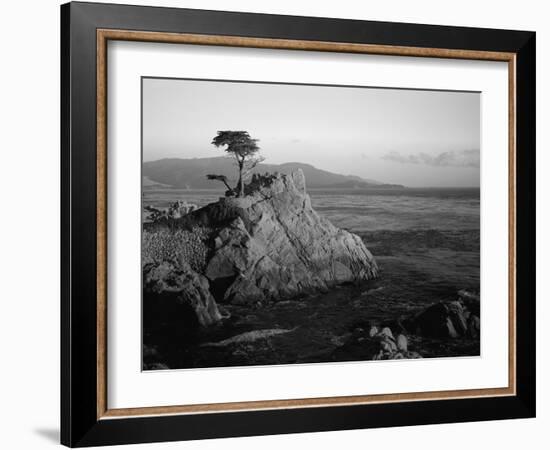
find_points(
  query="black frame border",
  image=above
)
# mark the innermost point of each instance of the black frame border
(79, 423)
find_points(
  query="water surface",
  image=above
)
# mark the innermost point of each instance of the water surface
(425, 241)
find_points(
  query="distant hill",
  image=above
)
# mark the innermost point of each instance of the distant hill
(191, 173)
(147, 182)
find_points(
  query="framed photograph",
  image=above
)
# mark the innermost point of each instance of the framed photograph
(277, 224)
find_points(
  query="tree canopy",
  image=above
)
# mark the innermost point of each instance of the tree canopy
(238, 143)
(244, 148)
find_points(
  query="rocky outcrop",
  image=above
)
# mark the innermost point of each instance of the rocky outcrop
(386, 346)
(441, 325)
(272, 245)
(175, 210)
(269, 245)
(375, 344)
(178, 293)
(455, 319)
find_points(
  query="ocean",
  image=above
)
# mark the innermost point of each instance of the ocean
(426, 242)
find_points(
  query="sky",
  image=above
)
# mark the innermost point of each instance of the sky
(410, 137)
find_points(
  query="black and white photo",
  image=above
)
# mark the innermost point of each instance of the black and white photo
(288, 224)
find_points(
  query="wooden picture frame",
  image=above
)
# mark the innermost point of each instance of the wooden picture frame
(86, 418)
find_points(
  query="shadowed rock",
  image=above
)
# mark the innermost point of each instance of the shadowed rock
(178, 293)
(448, 319)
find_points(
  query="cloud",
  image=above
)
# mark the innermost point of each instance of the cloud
(463, 158)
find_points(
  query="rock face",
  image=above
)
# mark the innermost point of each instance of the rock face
(448, 319)
(272, 245)
(269, 245)
(178, 290)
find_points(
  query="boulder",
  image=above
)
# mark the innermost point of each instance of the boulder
(437, 321)
(373, 331)
(386, 331)
(470, 300)
(473, 326)
(457, 316)
(402, 342)
(374, 345)
(176, 292)
(272, 245)
(391, 348)
(454, 319)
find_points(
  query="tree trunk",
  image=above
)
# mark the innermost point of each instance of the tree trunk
(240, 184)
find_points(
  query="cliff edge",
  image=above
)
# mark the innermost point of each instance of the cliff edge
(266, 246)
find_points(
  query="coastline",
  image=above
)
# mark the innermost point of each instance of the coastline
(418, 267)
